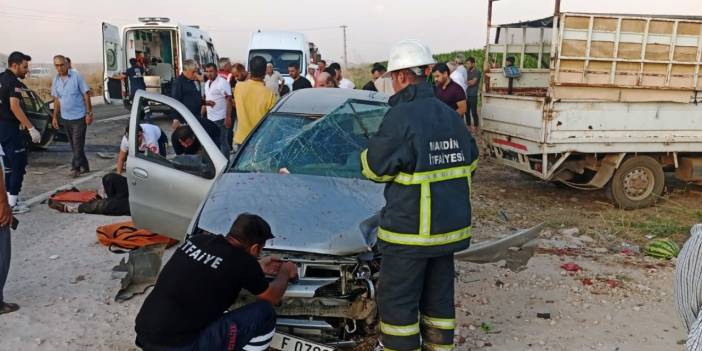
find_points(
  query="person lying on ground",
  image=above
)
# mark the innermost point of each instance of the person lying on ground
(115, 202)
(203, 278)
(149, 137)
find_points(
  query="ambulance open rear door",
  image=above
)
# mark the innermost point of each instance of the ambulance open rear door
(113, 63)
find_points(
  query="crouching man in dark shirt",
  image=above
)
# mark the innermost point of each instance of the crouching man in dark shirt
(202, 279)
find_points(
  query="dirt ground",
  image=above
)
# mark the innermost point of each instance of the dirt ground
(61, 277)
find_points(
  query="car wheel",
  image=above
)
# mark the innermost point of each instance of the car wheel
(637, 183)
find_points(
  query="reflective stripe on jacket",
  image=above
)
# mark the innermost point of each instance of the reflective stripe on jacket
(426, 157)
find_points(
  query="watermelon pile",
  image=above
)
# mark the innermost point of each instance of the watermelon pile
(662, 248)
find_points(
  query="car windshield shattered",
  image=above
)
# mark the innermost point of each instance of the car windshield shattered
(326, 146)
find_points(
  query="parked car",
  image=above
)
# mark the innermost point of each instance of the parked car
(39, 72)
(300, 170)
(39, 113)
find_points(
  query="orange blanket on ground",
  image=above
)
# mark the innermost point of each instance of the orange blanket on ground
(124, 236)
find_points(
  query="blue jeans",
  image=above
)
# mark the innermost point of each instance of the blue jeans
(225, 138)
(248, 328)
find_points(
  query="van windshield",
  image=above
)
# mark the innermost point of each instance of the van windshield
(279, 58)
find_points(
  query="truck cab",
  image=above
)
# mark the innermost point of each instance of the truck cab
(159, 45)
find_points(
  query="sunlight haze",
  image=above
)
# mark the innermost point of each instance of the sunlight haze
(42, 29)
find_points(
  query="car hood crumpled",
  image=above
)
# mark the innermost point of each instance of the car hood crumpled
(311, 214)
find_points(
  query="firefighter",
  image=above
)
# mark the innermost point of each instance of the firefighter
(426, 157)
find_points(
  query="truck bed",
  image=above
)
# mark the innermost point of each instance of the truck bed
(615, 83)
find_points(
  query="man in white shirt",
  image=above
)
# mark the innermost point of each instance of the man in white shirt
(346, 84)
(460, 75)
(311, 70)
(218, 101)
(272, 80)
(149, 137)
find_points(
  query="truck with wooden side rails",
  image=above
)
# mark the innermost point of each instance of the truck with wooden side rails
(596, 101)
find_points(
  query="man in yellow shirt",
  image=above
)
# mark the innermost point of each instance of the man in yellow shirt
(252, 99)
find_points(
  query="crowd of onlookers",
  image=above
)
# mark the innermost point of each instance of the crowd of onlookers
(456, 84)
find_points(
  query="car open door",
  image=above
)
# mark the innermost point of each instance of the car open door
(39, 115)
(113, 63)
(165, 192)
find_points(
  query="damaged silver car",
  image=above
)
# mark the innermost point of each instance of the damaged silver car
(300, 170)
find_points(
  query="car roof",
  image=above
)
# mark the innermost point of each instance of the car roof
(322, 101)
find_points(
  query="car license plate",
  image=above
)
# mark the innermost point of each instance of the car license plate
(285, 342)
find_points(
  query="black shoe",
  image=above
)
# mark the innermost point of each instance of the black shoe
(6, 307)
(58, 206)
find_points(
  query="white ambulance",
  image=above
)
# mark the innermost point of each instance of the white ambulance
(159, 45)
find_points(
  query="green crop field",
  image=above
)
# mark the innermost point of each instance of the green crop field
(360, 74)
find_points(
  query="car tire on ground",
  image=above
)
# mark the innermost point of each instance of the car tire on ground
(637, 183)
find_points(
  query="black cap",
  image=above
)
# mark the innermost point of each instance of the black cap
(17, 58)
(251, 228)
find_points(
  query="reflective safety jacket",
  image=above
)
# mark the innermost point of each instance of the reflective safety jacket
(426, 157)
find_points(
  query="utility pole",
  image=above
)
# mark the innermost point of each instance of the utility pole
(346, 61)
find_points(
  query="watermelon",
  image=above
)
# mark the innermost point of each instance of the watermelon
(662, 248)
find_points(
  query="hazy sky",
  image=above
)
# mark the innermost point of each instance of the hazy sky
(44, 28)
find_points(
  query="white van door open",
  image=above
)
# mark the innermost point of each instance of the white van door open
(113, 63)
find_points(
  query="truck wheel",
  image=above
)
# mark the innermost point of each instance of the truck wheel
(637, 183)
